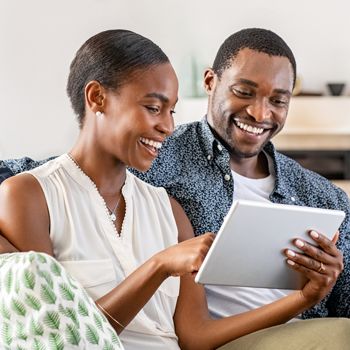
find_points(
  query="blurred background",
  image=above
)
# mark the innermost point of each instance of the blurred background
(38, 39)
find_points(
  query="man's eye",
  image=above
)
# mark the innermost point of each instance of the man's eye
(279, 102)
(242, 93)
(153, 109)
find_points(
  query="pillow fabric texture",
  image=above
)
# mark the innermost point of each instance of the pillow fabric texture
(43, 308)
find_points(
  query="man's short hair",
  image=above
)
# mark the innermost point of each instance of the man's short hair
(257, 39)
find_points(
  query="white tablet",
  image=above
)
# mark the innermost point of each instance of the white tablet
(248, 249)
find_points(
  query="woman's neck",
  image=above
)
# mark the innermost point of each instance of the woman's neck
(107, 172)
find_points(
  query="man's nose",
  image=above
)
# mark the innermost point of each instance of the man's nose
(260, 110)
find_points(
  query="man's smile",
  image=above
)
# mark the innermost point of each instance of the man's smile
(249, 128)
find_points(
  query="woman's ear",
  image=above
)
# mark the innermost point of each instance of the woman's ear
(95, 95)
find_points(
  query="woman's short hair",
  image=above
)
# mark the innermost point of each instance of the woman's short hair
(109, 57)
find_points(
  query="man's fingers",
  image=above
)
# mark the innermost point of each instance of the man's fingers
(336, 237)
(327, 245)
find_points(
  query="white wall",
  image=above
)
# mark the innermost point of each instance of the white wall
(38, 39)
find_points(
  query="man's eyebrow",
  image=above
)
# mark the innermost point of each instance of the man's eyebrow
(283, 91)
(248, 82)
(253, 84)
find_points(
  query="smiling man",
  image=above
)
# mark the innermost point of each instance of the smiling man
(228, 155)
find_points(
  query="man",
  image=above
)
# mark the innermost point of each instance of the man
(228, 155)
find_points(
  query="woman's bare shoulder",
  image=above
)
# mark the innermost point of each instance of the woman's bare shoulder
(24, 218)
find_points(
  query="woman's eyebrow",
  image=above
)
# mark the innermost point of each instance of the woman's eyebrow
(159, 96)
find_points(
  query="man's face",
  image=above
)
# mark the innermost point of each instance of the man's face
(248, 105)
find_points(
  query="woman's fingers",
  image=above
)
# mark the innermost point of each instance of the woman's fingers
(187, 256)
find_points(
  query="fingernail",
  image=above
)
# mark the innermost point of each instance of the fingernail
(290, 253)
(299, 243)
(314, 234)
(290, 262)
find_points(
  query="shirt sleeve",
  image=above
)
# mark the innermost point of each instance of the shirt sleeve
(12, 167)
(337, 303)
(5, 172)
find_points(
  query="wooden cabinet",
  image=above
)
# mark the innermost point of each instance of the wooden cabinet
(332, 164)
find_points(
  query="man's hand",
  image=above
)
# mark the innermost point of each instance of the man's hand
(321, 264)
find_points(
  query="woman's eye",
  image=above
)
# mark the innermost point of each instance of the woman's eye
(153, 109)
(172, 112)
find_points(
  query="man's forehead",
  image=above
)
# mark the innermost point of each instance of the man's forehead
(251, 64)
(249, 57)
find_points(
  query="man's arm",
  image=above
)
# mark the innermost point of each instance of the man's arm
(195, 328)
(5, 172)
(337, 303)
(12, 167)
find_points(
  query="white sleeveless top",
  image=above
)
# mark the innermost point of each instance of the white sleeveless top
(87, 244)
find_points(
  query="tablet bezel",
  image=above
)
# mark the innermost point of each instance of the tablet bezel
(240, 238)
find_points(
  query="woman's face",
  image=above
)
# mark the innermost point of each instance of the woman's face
(139, 116)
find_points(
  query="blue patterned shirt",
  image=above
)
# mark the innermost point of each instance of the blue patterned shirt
(194, 168)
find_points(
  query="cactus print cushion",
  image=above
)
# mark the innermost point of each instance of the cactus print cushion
(43, 308)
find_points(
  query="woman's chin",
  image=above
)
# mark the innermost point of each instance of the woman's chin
(142, 167)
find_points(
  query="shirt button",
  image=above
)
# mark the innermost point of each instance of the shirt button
(227, 177)
(292, 199)
(220, 148)
(209, 157)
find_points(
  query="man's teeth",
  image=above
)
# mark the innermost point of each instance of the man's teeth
(152, 143)
(249, 128)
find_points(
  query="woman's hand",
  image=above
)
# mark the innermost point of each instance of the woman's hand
(321, 265)
(185, 257)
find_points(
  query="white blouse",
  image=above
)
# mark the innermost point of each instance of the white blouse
(87, 244)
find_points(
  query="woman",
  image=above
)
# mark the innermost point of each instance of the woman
(117, 235)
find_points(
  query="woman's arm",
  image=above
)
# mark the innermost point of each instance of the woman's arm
(126, 300)
(195, 328)
(24, 217)
(25, 223)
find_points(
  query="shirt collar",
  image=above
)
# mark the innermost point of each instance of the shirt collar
(210, 145)
(282, 186)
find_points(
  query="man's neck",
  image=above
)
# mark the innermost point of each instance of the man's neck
(254, 167)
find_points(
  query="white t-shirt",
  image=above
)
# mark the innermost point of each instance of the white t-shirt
(224, 301)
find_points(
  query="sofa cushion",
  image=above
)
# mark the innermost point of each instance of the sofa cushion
(42, 307)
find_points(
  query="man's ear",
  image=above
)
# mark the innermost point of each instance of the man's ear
(209, 80)
(95, 95)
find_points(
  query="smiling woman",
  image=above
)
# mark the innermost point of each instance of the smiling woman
(85, 209)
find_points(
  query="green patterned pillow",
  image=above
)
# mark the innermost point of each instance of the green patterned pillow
(43, 308)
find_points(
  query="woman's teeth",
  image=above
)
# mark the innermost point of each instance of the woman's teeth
(155, 144)
(249, 128)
